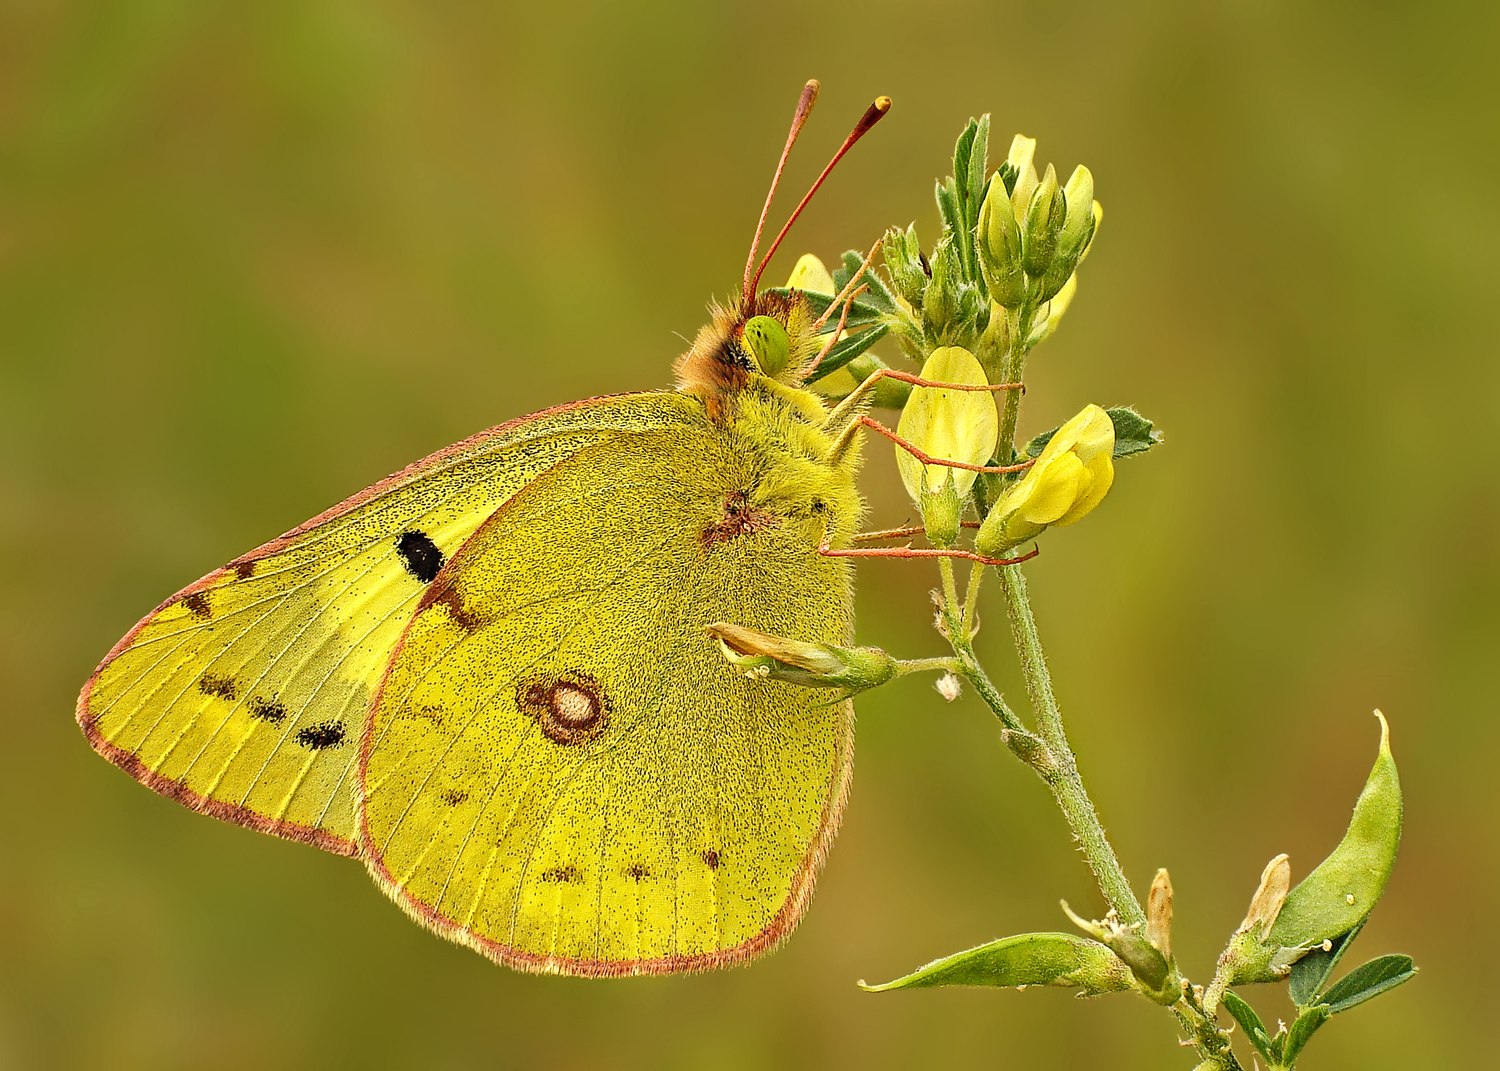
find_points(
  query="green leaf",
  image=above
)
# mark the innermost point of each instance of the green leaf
(848, 349)
(970, 161)
(877, 294)
(1008, 175)
(1254, 1029)
(1134, 434)
(963, 152)
(978, 171)
(862, 312)
(947, 202)
(1058, 959)
(1302, 1031)
(1312, 971)
(1370, 980)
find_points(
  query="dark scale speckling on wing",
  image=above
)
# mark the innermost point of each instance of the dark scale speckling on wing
(222, 687)
(267, 710)
(323, 735)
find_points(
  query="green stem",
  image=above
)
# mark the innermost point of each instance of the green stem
(977, 677)
(950, 608)
(1015, 365)
(1053, 761)
(1048, 751)
(971, 601)
(1208, 1039)
(920, 665)
(1063, 778)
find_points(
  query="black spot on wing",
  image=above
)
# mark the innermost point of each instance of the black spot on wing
(567, 875)
(267, 710)
(322, 735)
(454, 796)
(420, 555)
(710, 858)
(638, 872)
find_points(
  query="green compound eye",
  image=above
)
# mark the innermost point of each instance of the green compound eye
(768, 343)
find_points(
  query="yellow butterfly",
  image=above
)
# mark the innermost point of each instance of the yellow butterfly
(487, 675)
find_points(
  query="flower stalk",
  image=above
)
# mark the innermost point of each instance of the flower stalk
(996, 283)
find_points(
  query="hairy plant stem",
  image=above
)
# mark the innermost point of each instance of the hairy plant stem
(920, 665)
(1063, 777)
(1015, 364)
(1048, 751)
(1049, 754)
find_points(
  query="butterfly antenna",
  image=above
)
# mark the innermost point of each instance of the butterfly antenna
(873, 114)
(804, 108)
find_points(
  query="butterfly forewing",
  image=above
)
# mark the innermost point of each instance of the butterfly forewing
(245, 694)
(562, 771)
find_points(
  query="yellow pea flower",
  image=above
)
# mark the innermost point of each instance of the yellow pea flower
(1070, 477)
(809, 273)
(954, 425)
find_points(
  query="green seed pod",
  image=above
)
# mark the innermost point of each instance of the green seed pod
(1335, 898)
(1059, 959)
(768, 343)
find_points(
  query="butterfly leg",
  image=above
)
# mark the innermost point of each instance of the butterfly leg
(906, 532)
(848, 415)
(838, 332)
(927, 459)
(922, 552)
(846, 296)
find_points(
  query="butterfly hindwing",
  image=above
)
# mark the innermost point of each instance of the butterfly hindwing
(562, 771)
(244, 695)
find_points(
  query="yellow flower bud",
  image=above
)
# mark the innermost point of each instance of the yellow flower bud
(1022, 157)
(1049, 314)
(1045, 216)
(999, 246)
(1069, 478)
(1077, 232)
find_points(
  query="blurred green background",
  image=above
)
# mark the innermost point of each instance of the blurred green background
(254, 256)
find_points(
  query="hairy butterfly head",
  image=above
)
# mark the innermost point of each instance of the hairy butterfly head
(770, 336)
